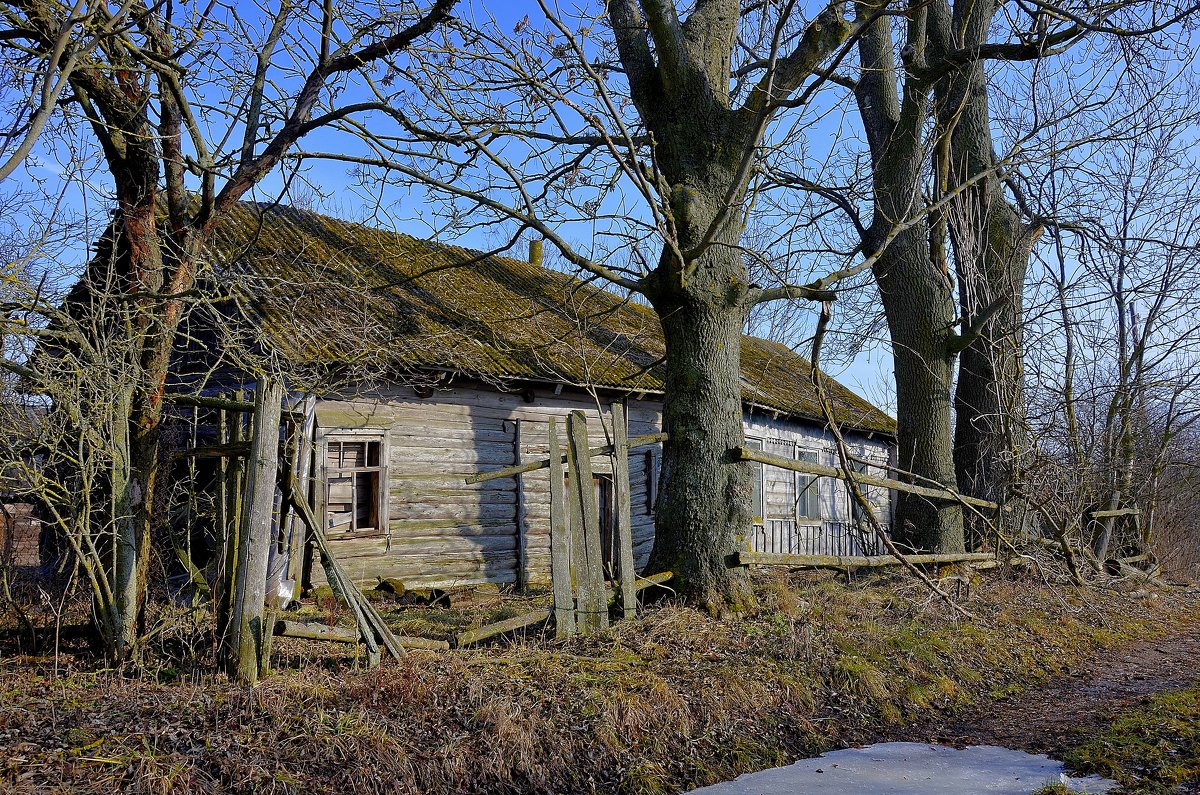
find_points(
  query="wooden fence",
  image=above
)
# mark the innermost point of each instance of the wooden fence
(577, 568)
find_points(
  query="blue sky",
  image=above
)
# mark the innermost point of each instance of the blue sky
(410, 210)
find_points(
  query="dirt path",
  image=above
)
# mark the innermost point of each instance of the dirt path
(1047, 719)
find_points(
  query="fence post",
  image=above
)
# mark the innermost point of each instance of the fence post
(587, 555)
(234, 491)
(519, 502)
(624, 552)
(560, 543)
(255, 535)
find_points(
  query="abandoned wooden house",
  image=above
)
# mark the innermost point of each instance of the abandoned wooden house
(419, 364)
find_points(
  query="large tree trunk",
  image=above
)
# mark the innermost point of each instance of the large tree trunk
(991, 434)
(992, 247)
(139, 259)
(917, 292)
(704, 505)
(919, 306)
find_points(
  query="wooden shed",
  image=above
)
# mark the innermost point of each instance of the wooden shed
(449, 362)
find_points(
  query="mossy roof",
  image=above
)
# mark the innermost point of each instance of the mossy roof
(326, 291)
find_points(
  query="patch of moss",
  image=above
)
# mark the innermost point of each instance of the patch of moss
(1153, 749)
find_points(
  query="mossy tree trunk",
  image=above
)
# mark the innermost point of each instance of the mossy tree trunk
(704, 153)
(705, 498)
(993, 243)
(911, 272)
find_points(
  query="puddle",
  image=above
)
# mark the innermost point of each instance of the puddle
(912, 769)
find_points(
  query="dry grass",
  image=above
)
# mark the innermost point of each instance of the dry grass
(674, 700)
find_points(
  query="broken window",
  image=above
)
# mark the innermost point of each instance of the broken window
(651, 459)
(354, 482)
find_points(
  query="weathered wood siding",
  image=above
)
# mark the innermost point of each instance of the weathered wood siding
(443, 532)
(440, 531)
(19, 532)
(781, 528)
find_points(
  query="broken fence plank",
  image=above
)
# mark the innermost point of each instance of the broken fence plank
(560, 543)
(249, 641)
(315, 630)
(624, 552)
(642, 583)
(808, 468)
(851, 561)
(544, 463)
(587, 557)
(500, 627)
(538, 616)
(366, 616)
(1116, 512)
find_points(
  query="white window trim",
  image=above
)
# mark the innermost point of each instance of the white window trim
(816, 479)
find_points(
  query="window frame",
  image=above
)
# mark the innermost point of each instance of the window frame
(759, 510)
(330, 436)
(805, 482)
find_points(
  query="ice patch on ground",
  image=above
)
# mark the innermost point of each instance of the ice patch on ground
(912, 769)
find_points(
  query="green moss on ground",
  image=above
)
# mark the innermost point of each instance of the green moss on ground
(1153, 749)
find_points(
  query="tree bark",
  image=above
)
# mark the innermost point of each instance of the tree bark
(919, 307)
(912, 277)
(704, 503)
(992, 246)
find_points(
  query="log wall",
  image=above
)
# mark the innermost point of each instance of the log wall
(440, 531)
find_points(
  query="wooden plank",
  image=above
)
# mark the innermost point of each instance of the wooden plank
(221, 518)
(745, 558)
(367, 618)
(519, 514)
(1116, 512)
(215, 451)
(532, 466)
(624, 530)
(498, 514)
(318, 630)
(473, 457)
(560, 545)
(641, 584)
(234, 492)
(201, 401)
(809, 468)
(500, 627)
(587, 557)
(249, 635)
(538, 616)
(1100, 547)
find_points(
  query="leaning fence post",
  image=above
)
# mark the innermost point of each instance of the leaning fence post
(588, 557)
(624, 552)
(560, 545)
(256, 532)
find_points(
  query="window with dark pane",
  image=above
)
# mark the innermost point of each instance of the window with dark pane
(808, 488)
(353, 478)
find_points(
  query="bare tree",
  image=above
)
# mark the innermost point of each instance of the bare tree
(1117, 307)
(629, 136)
(190, 109)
